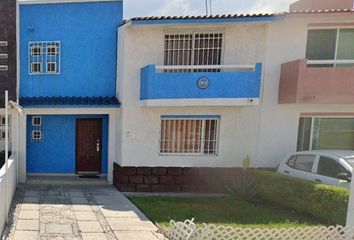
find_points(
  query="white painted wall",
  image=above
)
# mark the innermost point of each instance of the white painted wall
(286, 41)
(11, 185)
(266, 133)
(140, 126)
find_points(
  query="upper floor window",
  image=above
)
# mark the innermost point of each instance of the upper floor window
(193, 49)
(44, 57)
(330, 47)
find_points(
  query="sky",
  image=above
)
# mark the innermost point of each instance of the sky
(135, 8)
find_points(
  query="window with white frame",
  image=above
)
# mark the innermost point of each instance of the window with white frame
(36, 121)
(330, 47)
(194, 48)
(319, 133)
(51, 67)
(189, 136)
(44, 57)
(37, 133)
(2, 134)
(3, 119)
(36, 67)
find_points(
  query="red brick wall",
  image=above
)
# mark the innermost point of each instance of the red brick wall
(172, 179)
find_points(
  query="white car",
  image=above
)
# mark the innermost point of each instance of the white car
(332, 167)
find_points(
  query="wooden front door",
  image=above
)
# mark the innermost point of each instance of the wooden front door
(88, 145)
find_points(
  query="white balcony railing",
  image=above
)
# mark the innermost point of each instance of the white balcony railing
(207, 68)
(334, 63)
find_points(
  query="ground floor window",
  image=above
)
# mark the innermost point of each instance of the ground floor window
(317, 133)
(189, 135)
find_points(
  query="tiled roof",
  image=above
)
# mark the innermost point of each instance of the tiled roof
(197, 17)
(320, 11)
(226, 16)
(69, 101)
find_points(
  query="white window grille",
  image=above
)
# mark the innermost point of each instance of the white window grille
(195, 48)
(36, 121)
(44, 57)
(36, 135)
(51, 67)
(36, 67)
(195, 136)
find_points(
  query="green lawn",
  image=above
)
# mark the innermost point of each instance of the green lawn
(220, 210)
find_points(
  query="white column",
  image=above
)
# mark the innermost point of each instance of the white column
(350, 214)
(111, 145)
(22, 120)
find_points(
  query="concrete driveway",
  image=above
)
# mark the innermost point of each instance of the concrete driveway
(76, 212)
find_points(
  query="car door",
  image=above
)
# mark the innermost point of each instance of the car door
(327, 171)
(301, 166)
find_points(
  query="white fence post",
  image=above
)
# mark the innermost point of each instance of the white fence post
(350, 213)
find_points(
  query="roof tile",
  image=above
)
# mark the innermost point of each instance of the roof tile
(56, 101)
(248, 15)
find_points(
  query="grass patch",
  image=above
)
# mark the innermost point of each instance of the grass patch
(221, 211)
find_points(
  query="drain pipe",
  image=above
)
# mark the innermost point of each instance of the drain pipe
(6, 151)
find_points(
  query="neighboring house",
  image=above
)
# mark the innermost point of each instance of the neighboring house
(200, 94)
(308, 100)
(68, 60)
(8, 66)
(190, 89)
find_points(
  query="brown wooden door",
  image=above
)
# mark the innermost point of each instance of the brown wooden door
(88, 145)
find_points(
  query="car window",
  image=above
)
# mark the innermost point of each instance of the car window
(329, 167)
(350, 161)
(291, 161)
(304, 162)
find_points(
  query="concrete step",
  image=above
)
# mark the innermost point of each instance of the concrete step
(65, 180)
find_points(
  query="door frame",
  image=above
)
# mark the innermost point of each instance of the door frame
(76, 143)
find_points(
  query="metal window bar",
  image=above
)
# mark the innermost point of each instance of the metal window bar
(189, 136)
(189, 68)
(193, 49)
(44, 54)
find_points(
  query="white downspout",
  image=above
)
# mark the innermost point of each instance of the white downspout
(6, 151)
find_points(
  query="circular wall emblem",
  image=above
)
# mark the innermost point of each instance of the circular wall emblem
(203, 83)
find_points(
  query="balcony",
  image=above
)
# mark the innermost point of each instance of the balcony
(216, 85)
(302, 84)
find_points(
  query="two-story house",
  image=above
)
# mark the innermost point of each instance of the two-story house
(190, 89)
(200, 94)
(308, 101)
(68, 60)
(8, 65)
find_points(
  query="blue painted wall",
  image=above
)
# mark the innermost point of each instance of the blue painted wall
(88, 35)
(56, 153)
(156, 85)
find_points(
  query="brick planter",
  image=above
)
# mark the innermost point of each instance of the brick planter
(172, 179)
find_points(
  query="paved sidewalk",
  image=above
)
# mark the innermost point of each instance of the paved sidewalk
(76, 212)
